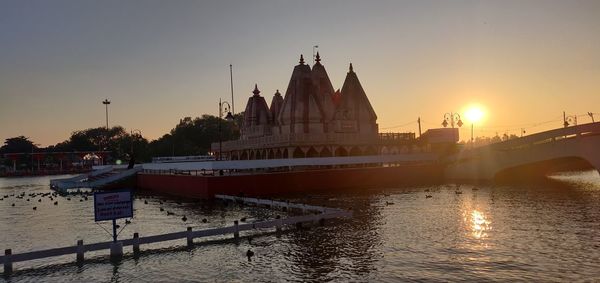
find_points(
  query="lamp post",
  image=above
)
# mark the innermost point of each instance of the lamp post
(452, 117)
(231, 81)
(224, 106)
(106, 102)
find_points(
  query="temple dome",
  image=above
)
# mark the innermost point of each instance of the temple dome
(257, 116)
(323, 88)
(302, 110)
(354, 112)
(276, 103)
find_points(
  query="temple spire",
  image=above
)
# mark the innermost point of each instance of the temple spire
(351, 69)
(318, 58)
(256, 91)
(301, 59)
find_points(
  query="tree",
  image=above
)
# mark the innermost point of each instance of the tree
(18, 144)
(116, 140)
(191, 136)
(194, 136)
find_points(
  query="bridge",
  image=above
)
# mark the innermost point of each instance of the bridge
(570, 148)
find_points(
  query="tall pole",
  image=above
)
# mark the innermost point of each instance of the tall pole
(472, 133)
(114, 223)
(220, 140)
(231, 79)
(106, 102)
(419, 121)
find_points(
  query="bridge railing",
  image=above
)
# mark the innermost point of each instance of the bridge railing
(590, 128)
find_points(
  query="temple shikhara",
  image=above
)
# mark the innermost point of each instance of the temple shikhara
(312, 119)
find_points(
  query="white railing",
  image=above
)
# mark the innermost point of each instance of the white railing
(294, 162)
(195, 158)
(296, 139)
(325, 213)
(583, 129)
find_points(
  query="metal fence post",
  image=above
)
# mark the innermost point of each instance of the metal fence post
(278, 224)
(136, 243)
(236, 229)
(8, 267)
(116, 251)
(80, 251)
(190, 237)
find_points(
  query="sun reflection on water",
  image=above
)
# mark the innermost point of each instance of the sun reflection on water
(479, 225)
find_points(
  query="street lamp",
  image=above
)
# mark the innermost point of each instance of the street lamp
(224, 106)
(106, 102)
(451, 117)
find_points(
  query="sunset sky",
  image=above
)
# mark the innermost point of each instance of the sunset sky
(523, 62)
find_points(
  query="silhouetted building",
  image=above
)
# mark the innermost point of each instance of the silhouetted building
(312, 120)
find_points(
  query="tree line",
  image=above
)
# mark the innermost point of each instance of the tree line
(191, 136)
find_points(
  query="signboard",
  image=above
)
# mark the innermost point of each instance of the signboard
(113, 205)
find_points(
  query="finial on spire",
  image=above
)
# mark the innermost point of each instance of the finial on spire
(318, 57)
(351, 69)
(301, 59)
(277, 93)
(256, 91)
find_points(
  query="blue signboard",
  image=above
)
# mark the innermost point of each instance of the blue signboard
(113, 205)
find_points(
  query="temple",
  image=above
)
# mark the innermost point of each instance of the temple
(312, 119)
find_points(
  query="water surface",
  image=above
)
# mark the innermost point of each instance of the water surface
(538, 232)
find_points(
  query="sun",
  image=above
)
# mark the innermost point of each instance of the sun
(474, 113)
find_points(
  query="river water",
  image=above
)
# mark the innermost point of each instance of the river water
(536, 232)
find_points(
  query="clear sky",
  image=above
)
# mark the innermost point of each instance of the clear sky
(158, 61)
